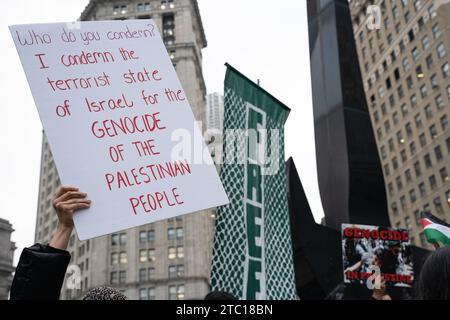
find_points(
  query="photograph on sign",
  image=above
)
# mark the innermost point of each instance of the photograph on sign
(370, 251)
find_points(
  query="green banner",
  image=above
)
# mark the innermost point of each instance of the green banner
(252, 254)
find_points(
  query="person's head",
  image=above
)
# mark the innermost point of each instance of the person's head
(434, 279)
(219, 295)
(104, 293)
(378, 257)
(394, 247)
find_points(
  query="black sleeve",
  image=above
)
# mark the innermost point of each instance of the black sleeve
(40, 273)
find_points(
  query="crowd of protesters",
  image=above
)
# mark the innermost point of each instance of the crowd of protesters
(41, 269)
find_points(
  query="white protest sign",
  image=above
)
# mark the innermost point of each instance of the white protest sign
(116, 116)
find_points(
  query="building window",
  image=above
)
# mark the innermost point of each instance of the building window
(142, 294)
(170, 234)
(446, 70)
(387, 126)
(415, 54)
(142, 274)
(381, 92)
(386, 170)
(433, 131)
(428, 112)
(405, 64)
(432, 180)
(123, 238)
(429, 62)
(151, 273)
(114, 258)
(394, 208)
(399, 183)
(438, 153)
(390, 189)
(424, 90)
(422, 189)
(438, 205)
(444, 175)
(379, 134)
(423, 240)
(142, 236)
(142, 255)
(172, 253)
(447, 196)
(180, 292)
(434, 81)
(417, 169)
(413, 100)
(176, 292)
(383, 109)
(114, 278)
(383, 152)
(151, 235)
(388, 83)
(376, 117)
(172, 292)
(168, 29)
(403, 202)
(151, 255)
(114, 239)
(180, 233)
(180, 270)
(440, 50)
(418, 120)
(439, 102)
(436, 31)
(391, 145)
(425, 42)
(412, 195)
(408, 224)
(412, 148)
(427, 160)
(180, 252)
(408, 176)
(151, 294)
(123, 257)
(431, 11)
(404, 110)
(122, 277)
(172, 272)
(397, 74)
(392, 100)
(400, 139)
(444, 122)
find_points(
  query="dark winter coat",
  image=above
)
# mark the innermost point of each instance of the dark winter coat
(39, 273)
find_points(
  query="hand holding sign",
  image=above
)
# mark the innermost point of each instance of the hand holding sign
(110, 102)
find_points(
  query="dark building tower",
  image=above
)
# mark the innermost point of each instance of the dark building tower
(349, 171)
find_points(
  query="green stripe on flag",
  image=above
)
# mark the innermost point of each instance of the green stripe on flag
(435, 236)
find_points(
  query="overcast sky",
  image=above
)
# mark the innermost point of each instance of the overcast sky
(263, 39)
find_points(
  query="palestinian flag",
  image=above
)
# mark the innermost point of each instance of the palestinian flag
(436, 231)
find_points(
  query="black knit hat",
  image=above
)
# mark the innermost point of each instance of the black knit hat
(104, 293)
